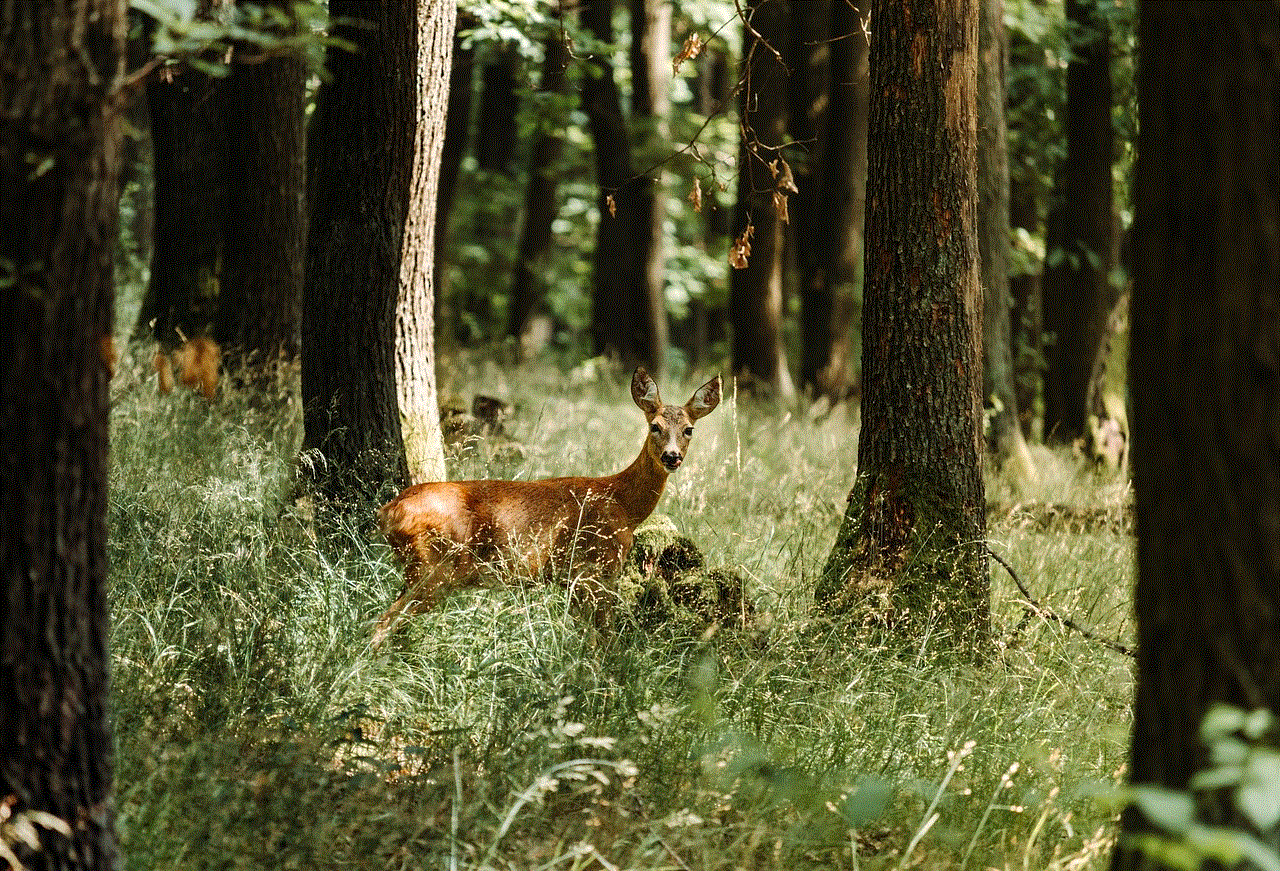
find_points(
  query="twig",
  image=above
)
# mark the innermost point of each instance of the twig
(1050, 613)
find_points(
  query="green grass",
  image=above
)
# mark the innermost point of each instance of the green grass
(255, 727)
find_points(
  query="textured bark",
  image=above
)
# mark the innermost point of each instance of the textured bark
(1079, 300)
(60, 68)
(259, 306)
(360, 165)
(621, 321)
(540, 198)
(650, 106)
(457, 132)
(415, 343)
(1205, 376)
(993, 244)
(755, 293)
(188, 136)
(912, 543)
(829, 299)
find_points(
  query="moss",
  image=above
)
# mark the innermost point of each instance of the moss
(666, 583)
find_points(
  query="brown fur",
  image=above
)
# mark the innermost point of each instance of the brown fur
(458, 534)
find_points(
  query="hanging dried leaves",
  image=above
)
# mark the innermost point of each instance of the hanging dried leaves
(612, 204)
(695, 195)
(692, 48)
(740, 252)
(784, 184)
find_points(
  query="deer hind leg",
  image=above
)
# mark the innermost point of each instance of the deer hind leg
(433, 569)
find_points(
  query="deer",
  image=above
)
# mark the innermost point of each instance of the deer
(454, 535)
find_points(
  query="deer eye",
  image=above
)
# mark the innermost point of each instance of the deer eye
(688, 431)
(655, 429)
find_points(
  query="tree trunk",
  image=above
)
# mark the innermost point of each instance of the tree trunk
(620, 317)
(707, 310)
(755, 291)
(1080, 299)
(360, 166)
(650, 105)
(457, 131)
(61, 66)
(540, 199)
(912, 546)
(1025, 314)
(1006, 439)
(1205, 376)
(261, 289)
(829, 298)
(188, 137)
(415, 325)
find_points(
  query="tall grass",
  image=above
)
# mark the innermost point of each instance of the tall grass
(256, 728)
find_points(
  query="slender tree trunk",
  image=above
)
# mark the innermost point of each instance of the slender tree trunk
(707, 311)
(1025, 314)
(457, 132)
(61, 66)
(620, 316)
(540, 199)
(755, 291)
(188, 137)
(259, 306)
(993, 244)
(360, 168)
(1082, 296)
(1205, 376)
(415, 344)
(829, 301)
(650, 105)
(911, 549)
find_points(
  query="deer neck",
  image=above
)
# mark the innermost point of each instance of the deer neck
(638, 487)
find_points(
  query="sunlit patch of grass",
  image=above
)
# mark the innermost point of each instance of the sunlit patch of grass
(256, 727)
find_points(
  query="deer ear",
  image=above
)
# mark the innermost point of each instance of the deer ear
(704, 399)
(645, 392)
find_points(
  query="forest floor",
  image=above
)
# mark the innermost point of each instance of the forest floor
(257, 729)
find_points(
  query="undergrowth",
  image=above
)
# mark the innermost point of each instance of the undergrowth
(256, 728)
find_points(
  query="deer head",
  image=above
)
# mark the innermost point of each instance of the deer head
(671, 426)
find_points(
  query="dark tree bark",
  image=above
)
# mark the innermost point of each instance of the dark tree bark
(360, 166)
(61, 66)
(540, 198)
(260, 301)
(830, 293)
(912, 546)
(1009, 447)
(189, 142)
(621, 320)
(1080, 298)
(755, 292)
(1025, 312)
(650, 105)
(1205, 376)
(499, 102)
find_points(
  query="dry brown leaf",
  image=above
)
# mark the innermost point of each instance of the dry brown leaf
(740, 252)
(780, 206)
(612, 204)
(692, 48)
(782, 176)
(695, 195)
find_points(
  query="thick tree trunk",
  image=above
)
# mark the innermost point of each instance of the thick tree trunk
(415, 343)
(621, 322)
(1006, 439)
(360, 167)
(189, 142)
(650, 105)
(829, 301)
(912, 546)
(1079, 301)
(457, 132)
(261, 289)
(1205, 376)
(540, 199)
(60, 68)
(755, 291)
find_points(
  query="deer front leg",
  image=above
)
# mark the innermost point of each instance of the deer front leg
(431, 572)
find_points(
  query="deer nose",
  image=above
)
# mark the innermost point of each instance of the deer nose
(671, 459)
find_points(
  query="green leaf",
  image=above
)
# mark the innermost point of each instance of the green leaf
(1258, 797)
(1221, 721)
(1216, 778)
(1172, 811)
